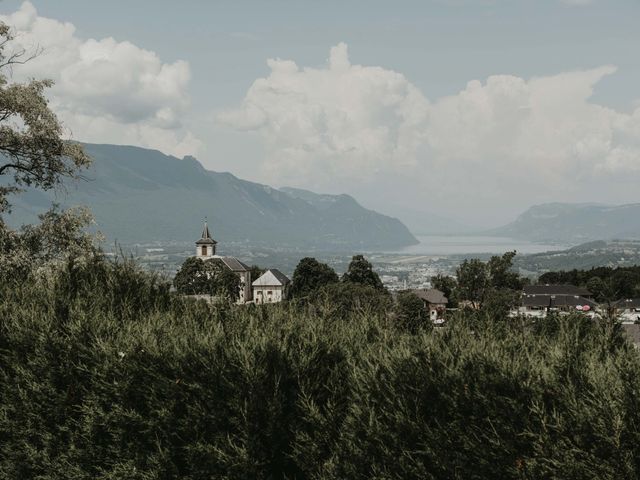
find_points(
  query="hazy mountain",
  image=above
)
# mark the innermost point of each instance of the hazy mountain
(599, 253)
(140, 195)
(418, 221)
(574, 223)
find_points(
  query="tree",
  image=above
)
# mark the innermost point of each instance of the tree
(191, 279)
(256, 272)
(597, 288)
(551, 278)
(498, 303)
(206, 277)
(624, 284)
(33, 151)
(500, 272)
(361, 271)
(309, 276)
(228, 283)
(448, 286)
(59, 234)
(607, 284)
(472, 281)
(411, 313)
(478, 280)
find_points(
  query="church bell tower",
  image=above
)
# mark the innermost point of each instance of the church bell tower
(206, 246)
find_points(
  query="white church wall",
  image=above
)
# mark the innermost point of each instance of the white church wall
(266, 294)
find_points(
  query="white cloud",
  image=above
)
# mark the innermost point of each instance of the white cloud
(514, 123)
(340, 119)
(345, 121)
(104, 86)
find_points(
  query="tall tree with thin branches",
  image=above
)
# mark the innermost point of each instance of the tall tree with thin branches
(33, 148)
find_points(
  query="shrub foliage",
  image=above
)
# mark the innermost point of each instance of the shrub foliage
(105, 374)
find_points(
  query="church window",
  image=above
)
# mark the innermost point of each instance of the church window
(204, 250)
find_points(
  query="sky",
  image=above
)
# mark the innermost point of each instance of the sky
(472, 110)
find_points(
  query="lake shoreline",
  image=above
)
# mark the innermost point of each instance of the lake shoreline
(430, 245)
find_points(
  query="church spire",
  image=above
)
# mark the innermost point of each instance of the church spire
(206, 246)
(205, 231)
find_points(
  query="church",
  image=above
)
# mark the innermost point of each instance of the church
(268, 288)
(206, 250)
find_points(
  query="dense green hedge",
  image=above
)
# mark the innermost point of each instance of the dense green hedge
(104, 374)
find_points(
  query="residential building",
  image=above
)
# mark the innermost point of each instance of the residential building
(538, 300)
(548, 289)
(628, 310)
(270, 287)
(434, 302)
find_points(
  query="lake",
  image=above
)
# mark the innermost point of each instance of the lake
(458, 244)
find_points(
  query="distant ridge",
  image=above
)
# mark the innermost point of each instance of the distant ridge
(599, 253)
(141, 196)
(418, 221)
(574, 223)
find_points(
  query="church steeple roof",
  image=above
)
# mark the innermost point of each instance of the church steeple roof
(205, 231)
(206, 238)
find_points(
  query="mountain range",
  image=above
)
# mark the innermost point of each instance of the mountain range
(143, 196)
(574, 223)
(599, 253)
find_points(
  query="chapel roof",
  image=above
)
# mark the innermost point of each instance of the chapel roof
(431, 295)
(271, 278)
(234, 264)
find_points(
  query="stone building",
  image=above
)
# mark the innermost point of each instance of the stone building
(270, 287)
(206, 250)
